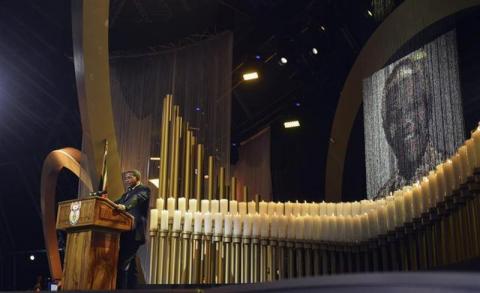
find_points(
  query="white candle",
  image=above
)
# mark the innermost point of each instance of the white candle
(433, 185)
(333, 228)
(262, 208)
(357, 228)
(341, 226)
(159, 204)
(218, 223)
(308, 223)
(282, 227)
(316, 228)
(197, 223)
(192, 205)
(271, 207)
(170, 206)
(417, 200)
(291, 227)
(391, 213)
(355, 208)
(347, 209)
(177, 219)
(408, 204)
(299, 228)
(279, 209)
(339, 208)
(153, 220)
(441, 184)
(182, 205)
(224, 206)
(330, 209)
(373, 223)
(297, 209)
(187, 225)
(237, 225)
(207, 223)
(274, 224)
(365, 206)
(252, 207)
(204, 205)
(288, 208)
(256, 225)
(242, 208)
(313, 209)
(382, 220)
(264, 226)
(325, 228)
(247, 226)
(304, 208)
(466, 166)
(449, 177)
(214, 206)
(476, 139)
(233, 207)
(399, 209)
(457, 170)
(425, 191)
(322, 209)
(349, 228)
(365, 227)
(472, 155)
(164, 220)
(227, 231)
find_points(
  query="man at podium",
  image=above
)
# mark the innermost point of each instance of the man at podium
(135, 201)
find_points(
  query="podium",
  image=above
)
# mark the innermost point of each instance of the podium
(93, 227)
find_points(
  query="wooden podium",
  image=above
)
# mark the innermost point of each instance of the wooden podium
(93, 228)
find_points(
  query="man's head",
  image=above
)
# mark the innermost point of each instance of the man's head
(132, 177)
(406, 112)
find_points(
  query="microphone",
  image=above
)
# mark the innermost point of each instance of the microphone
(98, 193)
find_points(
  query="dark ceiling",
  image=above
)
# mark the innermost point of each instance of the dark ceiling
(39, 110)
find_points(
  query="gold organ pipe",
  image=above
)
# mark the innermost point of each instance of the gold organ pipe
(245, 193)
(199, 175)
(176, 158)
(221, 183)
(172, 141)
(211, 178)
(164, 148)
(233, 189)
(187, 171)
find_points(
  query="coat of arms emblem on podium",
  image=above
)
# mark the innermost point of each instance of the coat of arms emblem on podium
(74, 212)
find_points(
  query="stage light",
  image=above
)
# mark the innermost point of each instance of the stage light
(154, 182)
(291, 124)
(250, 76)
(32, 257)
(297, 104)
(369, 13)
(314, 51)
(197, 109)
(258, 57)
(283, 60)
(323, 28)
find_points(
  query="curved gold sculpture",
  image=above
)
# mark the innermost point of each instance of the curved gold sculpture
(408, 19)
(55, 162)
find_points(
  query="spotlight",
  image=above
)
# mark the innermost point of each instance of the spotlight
(258, 57)
(323, 28)
(291, 124)
(314, 51)
(297, 104)
(32, 257)
(369, 13)
(197, 109)
(250, 76)
(283, 61)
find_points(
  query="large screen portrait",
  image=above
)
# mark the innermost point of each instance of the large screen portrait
(413, 116)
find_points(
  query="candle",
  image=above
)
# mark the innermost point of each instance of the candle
(247, 226)
(309, 225)
(274, 223)
(313, 209)
(205, 205)
(449, 177)
(325, 228)
(391, 213)
(262, 208)
(365, 227)
(341, 228)
(299, 228)
(357, 228)
(296, 209)
(237, 225)
(214, 206)
(279, 208)
(332, 228)
(242, 208)
(339, 209)
(425, 191)
(218, 223)
(476, 139)
(417, 200)
(355, 208)
(159, 204)
(347, 209)
(288, 208)
(282, 227)
(271, 207)
(265, 226)
(207, 223)
(457, 171)
(365, 206)
(382, 220)
(170, 206)
(373, 223)
(471, 153)
(316, 228)
(192, 205)
(291, 227)
(441, 184)
(187, 225)
(224, 206)
(197, 223)
(330, 209)
(153, 220)
(164, 220)
(256, 225)
(322, 209)
(408, 204)
(227, 231)
(433, 185)
(252, 207)
(304, 208)
(465, 162)
(182, 205)
(177, 218)
(233, 207)
(399, 209)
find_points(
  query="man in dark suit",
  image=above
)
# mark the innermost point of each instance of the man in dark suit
(135, 201)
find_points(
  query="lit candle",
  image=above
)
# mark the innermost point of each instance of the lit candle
(355, 208)
(252, 207)
(373, 223)
(242, 208)
(466, 167)
(207, 223)
(233, 207)
(271, 207)
(291, 227)
(288, 208)
(237, 225)
(282, 227)
(159, 204)
(299, 228)
(279, 209)
(197, 223)
(224, 206)
(433, 185)
(348, 228)
(256, 225)
(425, 191)
(153, 220)
(408, 204)
(192, 205)
(330, 209)
(227, 231)
(296, 209)
(476, 138)
(313, 209)
(262, 208)
(441, 184)
(304, 208)
(332, 228)
(417, 200)
(322, 208)
(339, 209)
(365, 227)
(274, 220)
(471, 153)
(391, 213)
(214, 206)
(247, 226)
(170, 206)
(347, 209)
(341, 226)
(308, 223)
(182, 205)
(218, 223)
(164, 220)
(457, 170)
(449, 177)
(205, 205)
(177, 218)
(316, 229)
(187, 226)
(265, 226)
(357, 228)
(399, 209)
(365, 206)
(325, 228)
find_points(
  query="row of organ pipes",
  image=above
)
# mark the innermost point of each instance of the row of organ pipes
(211, 238)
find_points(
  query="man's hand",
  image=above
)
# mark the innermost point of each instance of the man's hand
(121, 207)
